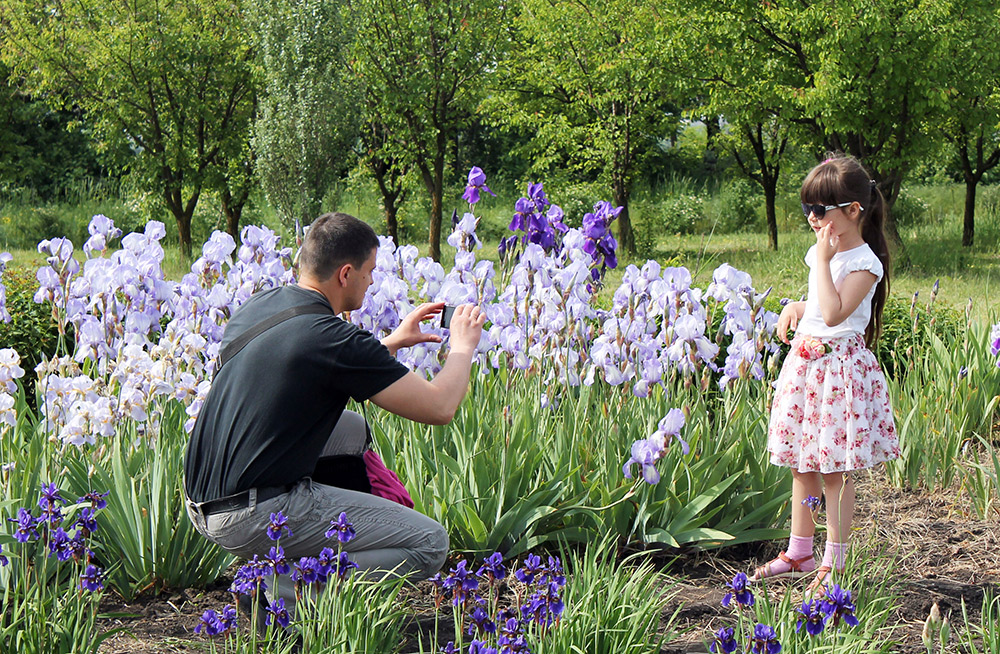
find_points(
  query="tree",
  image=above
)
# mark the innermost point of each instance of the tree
(42, 149)
(171, 80)
(308, 118)
(588, 78)
(971, 120)
(868, 79)
(752, 98)
(422, 62)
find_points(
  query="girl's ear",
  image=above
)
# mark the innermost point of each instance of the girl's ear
(854, 211)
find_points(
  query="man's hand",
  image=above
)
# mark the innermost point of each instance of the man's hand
(466, 328)
(409, 333)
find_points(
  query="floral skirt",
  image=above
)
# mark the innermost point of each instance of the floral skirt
(831, 409)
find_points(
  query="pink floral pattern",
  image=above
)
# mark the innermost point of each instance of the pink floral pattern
(831, 413)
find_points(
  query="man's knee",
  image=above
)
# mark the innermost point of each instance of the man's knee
(431, 557)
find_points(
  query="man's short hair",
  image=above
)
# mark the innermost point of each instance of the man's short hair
(333, 240)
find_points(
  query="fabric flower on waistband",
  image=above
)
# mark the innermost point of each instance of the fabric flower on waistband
(810, 347)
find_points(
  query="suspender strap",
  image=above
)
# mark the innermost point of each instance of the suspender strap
(241, 341)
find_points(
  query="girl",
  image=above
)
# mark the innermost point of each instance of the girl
(831, 411)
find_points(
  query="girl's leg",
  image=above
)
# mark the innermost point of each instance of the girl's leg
(797, 559)
(804, 484)
(840, 498)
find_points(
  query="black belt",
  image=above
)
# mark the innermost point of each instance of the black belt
(242, 500)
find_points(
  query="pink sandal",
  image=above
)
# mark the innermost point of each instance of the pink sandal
(817, 587)
(795, 570)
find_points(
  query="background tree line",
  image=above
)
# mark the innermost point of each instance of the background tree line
(186, 98)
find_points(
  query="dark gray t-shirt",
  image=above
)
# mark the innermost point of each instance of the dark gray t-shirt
(273, 406)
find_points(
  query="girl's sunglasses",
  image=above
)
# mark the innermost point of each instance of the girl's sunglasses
(819, 210)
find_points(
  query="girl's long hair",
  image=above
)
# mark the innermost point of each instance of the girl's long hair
(842, 178)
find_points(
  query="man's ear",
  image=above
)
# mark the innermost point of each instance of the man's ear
(343, 273)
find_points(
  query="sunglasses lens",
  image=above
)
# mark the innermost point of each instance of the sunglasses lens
(818, 210)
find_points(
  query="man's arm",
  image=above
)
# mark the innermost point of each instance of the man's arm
(434, 402)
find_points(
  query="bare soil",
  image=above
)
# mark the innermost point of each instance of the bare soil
(937, 551)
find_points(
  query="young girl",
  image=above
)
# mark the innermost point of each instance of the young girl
(831, 410)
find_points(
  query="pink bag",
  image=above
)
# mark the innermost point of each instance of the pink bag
(384, 482)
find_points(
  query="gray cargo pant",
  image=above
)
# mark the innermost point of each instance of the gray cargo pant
(390, 537)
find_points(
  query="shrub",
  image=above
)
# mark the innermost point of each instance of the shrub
(31, 331)
(24, 227)
(679, 215)
(904, 334)
(909, 210)
(734, 208)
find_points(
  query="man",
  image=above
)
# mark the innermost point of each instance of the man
(274, 417)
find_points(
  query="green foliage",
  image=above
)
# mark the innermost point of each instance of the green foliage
(353, 615)
(909, 210)
(682, 214)
(586, 80)
(982, 637)
(907, 327)
(420, 64)
(611, 607)
(147, 541)
(308, 113)
(41, 150)
(167, 86)
(734, 207)
(32, 331)
(949, 393)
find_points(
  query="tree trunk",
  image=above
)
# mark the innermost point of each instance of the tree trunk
(182, 214)
(434, 183)
(770, 184)
(626, 237)
(232, 209)
(969, 224)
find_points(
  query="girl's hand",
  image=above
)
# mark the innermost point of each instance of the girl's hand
(827, 243)
(789, 319)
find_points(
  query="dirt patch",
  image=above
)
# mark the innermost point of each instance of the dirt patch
(937, 552)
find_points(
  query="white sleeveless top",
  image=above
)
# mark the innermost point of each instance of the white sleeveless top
(841, 265)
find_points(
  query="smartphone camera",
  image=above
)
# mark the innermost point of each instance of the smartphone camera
(446, 315)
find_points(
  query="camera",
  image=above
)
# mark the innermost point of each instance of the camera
(446, 315)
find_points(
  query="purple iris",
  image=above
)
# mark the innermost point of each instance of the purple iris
(91, 579)
(476, 182)
(3, 559)
(276, 612)
(59, 544)
(87, 522)
(49, 496)
(739, 591)
(531, 567)
(343, 529)
(480, 622)
(96, 499)
(479, 647)
(345, 565)
(724, 641)
(279, 524)
(26, 524)
(764, 640)
(249, 578)
(462, 582)
(306, 571)
(812, 618)
(837, 606)
(276, 557)
(812, 502)
(210, 623)
(493, 568)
